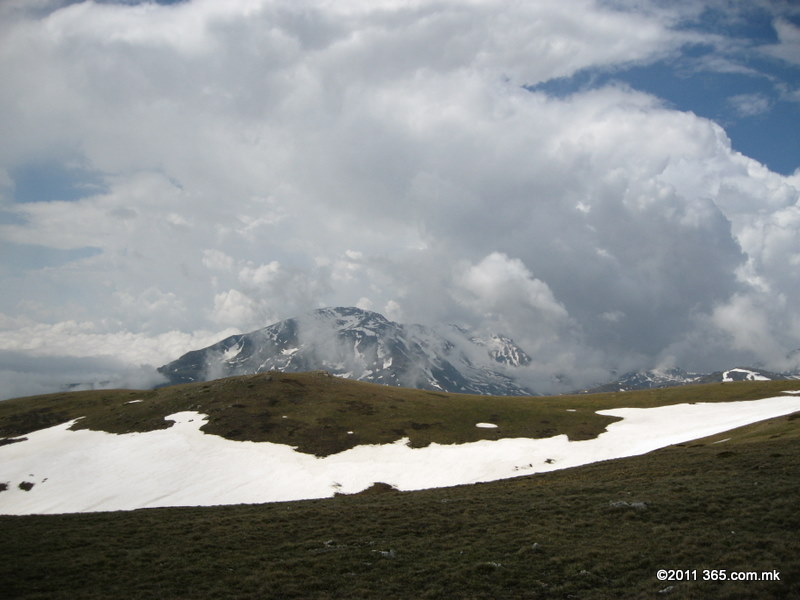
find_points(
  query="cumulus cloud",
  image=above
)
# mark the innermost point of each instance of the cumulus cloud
(260, 158)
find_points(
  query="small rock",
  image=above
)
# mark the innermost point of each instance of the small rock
(624, 504)
(667, 590)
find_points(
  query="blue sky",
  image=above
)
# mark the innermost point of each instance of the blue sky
(612, 183)
(741, 87)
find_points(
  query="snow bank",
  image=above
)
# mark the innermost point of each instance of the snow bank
(81, 471)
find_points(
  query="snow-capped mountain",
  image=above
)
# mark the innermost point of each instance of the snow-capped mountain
(645, 380)
(661, 378)
(745, 374)
(366, 346)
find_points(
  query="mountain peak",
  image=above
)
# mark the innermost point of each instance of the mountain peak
(364, 345)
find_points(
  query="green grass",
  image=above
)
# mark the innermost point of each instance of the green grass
(730, 505)
(314, 411)
(564, 534)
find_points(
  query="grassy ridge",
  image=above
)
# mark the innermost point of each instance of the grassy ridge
(564, 534)
(315, 412)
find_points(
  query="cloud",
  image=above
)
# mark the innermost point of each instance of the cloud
(499, 283)
(257, 159)
(749, 105)
(22, 375)
(788, 46)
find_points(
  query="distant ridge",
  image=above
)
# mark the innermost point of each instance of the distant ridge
(663, 378)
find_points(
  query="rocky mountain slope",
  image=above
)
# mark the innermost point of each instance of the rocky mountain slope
(365, 346)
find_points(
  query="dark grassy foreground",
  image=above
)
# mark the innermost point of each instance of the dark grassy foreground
(731, 505)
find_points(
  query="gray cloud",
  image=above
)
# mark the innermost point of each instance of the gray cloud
(22, 375)
(259, 159)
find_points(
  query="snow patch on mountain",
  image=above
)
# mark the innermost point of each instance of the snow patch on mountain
(743, 375)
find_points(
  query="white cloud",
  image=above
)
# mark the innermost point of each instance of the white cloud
(262, 158)
(90, 339)
(748, 326)
(365, 303)
(260, 276)
(749, 105)
(217, 261)
(788, 46)
(235, 309)
(499, 284)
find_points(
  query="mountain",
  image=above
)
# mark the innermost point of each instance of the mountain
(662, 378)
(365, 346)
(645, 380)
(745, 374)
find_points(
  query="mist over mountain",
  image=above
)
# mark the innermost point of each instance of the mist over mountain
(363, 345)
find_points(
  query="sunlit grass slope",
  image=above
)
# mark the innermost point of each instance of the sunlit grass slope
(593, 532)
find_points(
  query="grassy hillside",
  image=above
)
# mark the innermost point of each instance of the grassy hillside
(315, 412)
(599, 531)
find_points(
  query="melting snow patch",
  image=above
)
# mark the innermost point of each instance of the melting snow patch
(232, 352)
(134, 401)
(720, 441)
(791, 391)
(571, 410)
(86, 471)
(486, 425)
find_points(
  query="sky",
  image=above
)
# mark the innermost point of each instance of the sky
(614, 184)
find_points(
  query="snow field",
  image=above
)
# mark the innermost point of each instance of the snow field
(84, 471)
